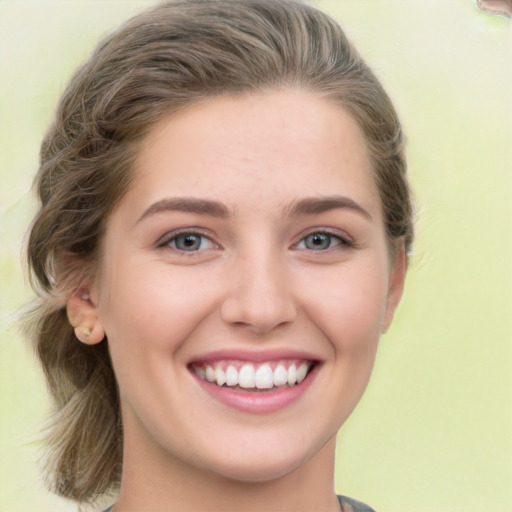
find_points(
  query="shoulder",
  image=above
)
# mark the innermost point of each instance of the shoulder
(350, 505)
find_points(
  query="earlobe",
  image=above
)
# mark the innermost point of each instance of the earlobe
(83, 316)
(396, 287)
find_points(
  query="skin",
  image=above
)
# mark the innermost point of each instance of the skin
(254, 284)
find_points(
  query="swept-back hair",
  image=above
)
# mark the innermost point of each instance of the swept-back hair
(159, 62)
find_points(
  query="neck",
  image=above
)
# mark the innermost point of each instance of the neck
(155, 480)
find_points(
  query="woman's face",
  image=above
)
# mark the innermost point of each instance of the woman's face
(250, 252)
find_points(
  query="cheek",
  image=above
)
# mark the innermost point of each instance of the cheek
(146, 324)
(350, 310)
(153, 308)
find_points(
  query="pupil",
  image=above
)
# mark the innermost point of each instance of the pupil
(319, 241)
(188, 242)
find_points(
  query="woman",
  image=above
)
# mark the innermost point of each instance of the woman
(223, 236)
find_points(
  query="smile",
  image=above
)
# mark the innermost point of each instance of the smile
(257, 388)
(262, 376)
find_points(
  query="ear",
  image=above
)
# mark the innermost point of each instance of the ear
(83, 315)
(398, 272)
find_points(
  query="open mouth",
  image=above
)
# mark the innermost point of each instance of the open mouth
(248, 376)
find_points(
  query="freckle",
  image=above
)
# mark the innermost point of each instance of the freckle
(496, 7)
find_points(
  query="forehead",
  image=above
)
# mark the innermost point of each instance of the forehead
(285, 143)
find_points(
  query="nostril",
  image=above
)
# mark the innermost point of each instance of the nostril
(260, 295)
(259, 317)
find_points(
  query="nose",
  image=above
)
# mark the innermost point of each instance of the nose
(260, 296)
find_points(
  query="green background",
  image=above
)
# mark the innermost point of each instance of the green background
(434, 431)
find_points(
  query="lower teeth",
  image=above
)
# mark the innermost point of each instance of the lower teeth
(267, 390)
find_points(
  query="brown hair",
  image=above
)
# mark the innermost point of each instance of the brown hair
(163, 60)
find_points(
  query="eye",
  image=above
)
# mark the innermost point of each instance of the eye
(319, 241)
(189, 242)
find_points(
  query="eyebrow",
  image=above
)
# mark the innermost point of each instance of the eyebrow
(189, 205)
(305, 206)
(315, 205)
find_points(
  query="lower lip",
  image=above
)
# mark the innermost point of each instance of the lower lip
(258, 402)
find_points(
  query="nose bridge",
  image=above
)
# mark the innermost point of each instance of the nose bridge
(260, 295)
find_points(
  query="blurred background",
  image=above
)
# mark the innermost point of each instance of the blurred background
(434, 430)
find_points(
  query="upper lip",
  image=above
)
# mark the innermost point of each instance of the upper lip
(253, 356)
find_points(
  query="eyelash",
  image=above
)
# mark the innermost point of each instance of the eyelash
(170, 241)
(342, 242)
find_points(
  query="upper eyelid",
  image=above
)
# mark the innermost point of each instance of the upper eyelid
(343, 236)
(341, 242)
(171, 235)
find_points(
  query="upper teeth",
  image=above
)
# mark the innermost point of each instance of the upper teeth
(248, 376)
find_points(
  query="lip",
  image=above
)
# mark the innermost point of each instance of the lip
(256, 402)
(255, 357)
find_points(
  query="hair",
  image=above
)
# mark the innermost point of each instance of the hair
(164, 60)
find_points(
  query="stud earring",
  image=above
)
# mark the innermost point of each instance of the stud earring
(85, 296)
(83, 333)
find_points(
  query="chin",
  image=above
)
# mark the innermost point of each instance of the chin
(265, 465)
(257, 472)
